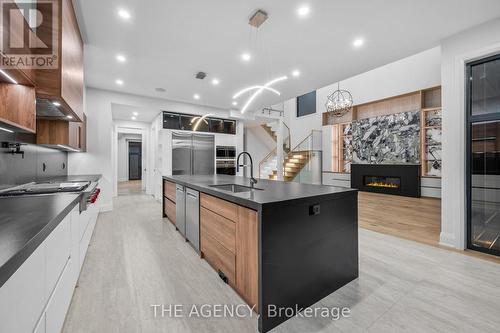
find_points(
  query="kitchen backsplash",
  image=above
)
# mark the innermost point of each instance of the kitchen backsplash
(16, 170)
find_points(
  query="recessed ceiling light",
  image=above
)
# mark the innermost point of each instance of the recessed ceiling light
(196, 96)
(296, 73)
(246, 56)
(215, 82)
(358, 42)
(135, 113)
(124, 14)
(69, 116)
(119, 82)
(235, 103)
(133, 118)
(121, 58)
(303, 11)
(56, 103)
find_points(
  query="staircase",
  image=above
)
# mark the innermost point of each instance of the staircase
(268, 167)
(292, 165)
(294, 159)
(272, 129)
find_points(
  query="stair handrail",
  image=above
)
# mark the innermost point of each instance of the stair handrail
(304, 140)
(266, 158)
(288, 137)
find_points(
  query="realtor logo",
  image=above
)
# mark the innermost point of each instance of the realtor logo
(28, 36)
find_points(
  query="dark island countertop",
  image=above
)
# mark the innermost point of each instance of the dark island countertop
(271, 193)
(25, 222)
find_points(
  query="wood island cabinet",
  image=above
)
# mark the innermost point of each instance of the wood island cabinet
(169, 201)
(229, 243)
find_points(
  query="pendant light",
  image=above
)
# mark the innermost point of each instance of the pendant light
(339, 102)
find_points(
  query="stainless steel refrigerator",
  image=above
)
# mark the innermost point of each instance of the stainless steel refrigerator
(193, 154)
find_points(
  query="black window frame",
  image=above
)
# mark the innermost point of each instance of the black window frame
(471, 119)
(297, 109)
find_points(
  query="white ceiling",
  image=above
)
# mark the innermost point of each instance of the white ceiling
(167, 42)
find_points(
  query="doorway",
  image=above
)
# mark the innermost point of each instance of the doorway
(134, 160)
(483, 155)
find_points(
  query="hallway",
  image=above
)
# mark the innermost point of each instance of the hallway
(130, 187)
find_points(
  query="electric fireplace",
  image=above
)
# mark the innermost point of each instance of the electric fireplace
(397, 179)
(383, 182)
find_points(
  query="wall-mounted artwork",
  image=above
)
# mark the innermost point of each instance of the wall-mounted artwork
(389, 139)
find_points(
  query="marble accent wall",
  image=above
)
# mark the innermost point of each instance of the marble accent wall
(389, 139)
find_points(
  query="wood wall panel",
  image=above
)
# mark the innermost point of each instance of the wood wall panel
(404, 103)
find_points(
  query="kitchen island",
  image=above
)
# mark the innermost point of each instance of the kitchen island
(281, 246)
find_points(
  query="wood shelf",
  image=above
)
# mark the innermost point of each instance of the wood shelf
(430, 103)
(438, 108)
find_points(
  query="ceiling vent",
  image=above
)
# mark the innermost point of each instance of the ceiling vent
(258, 18)
(201, 75)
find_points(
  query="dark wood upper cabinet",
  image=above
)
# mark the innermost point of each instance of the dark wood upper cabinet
(17, 107)
(65, 83)
(20, 75)
(61, 134)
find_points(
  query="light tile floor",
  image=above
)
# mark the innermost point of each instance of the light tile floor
(137, 259)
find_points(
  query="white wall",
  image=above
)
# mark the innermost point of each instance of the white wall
(420, 71)
(123, 141)
(100, 133)
(471, 44)
(258, 143)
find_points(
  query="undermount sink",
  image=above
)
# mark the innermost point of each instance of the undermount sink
(235, 188)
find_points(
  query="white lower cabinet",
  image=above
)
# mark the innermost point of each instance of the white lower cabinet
(59, 301)
(37, 296)
(22, 297)
(58, 247)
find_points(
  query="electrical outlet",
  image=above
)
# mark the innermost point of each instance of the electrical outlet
(314, 209)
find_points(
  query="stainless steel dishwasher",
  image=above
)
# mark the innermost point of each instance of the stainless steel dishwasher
(180, 209)
(193, 218)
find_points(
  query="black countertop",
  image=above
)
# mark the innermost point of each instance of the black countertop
(25, 222)
(273, 192)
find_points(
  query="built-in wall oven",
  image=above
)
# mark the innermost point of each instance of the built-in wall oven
(226, 152)
(226, 160)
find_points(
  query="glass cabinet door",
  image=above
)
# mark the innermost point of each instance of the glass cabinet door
(483, 183)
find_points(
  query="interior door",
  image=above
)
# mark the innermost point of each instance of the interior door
(203, 154)
(134, 160)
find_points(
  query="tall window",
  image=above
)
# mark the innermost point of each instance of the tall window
(483, 150)
(306, 104)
